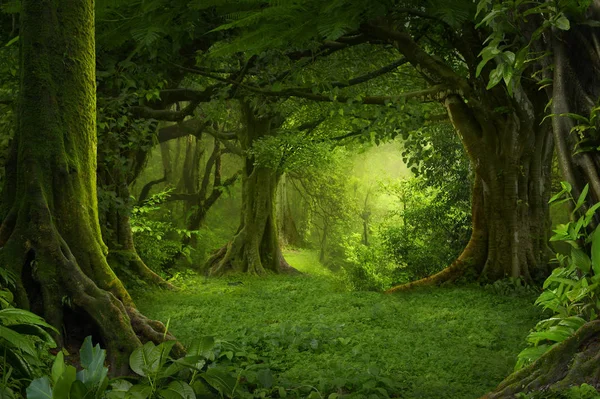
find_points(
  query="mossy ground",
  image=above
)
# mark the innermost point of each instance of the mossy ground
(457, 342)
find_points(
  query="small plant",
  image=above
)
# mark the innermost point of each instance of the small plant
(23, 337)
(571, 291)
(157, 239)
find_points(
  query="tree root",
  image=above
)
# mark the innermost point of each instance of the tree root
(124, 263)
(573, 362)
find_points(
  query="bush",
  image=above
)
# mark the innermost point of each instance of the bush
(157, 239)
(429, 230)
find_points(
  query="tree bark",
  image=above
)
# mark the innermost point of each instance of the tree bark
(255, 247)
(572, 363)
(576, 89)
(51, 236)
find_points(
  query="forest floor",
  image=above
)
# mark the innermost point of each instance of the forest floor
(313, 334)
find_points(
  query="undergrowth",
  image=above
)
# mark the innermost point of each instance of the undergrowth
(307, 336)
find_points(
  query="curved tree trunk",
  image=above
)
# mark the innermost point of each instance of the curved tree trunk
(255, 247)
(576, 89)
(512, 157)
(51, 236)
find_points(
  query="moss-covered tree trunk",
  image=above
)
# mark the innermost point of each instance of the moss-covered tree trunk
(118, 236)
(255, 247)
(50, 237)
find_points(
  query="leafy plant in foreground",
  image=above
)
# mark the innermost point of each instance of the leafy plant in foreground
(571, 291)
(23, 337)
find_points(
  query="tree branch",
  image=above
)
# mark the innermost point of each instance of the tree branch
(418, 57)
(191, 127)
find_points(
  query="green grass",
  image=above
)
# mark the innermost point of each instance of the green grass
(306, 261)
(453, 343)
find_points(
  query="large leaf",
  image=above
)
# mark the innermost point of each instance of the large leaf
(581, 260)
(177, 390)
(63, 384)
(92, 360)
(203, 346)
(15, 340)
(149, 359)
(221, 380)
(40, 389)
(596, 251)
(142, 358)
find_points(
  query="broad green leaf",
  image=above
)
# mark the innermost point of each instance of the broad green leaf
(145, 360)
(11, 338)
(58, 367)
(581, 260)
(139, 392)
(40, 389)
(596, 251)
(220, 380)
(62, 385)
(92, 360)
(562, 23)
(79, 391)
(554, 334)
(177, 390)
(202, 346)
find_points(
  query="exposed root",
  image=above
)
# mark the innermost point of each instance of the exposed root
(574, 362)
(126, 262)
(152, 330)
(448, 275)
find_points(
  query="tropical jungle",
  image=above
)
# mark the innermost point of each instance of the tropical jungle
(317, 199)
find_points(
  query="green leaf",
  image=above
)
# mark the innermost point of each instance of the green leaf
(40, 389)
(92, 360)
(562, 23)
(566, 186)
(265, 377)
(596, 251)
(177, 390)
(554, 334)
(62, 385)
(581, 260)
(141, 357)
(202, 346)
(495, 76)
(589, 214)
(220, 380)
(12, 41)
(581, 199)
(78, 391)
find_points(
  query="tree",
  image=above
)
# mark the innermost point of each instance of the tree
(50, 235)
(255, 247)
(503, 132)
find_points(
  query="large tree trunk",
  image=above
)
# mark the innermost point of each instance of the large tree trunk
(255, 247)
(288, 230)
(576, 89)
(51, 237)
(511, 155)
